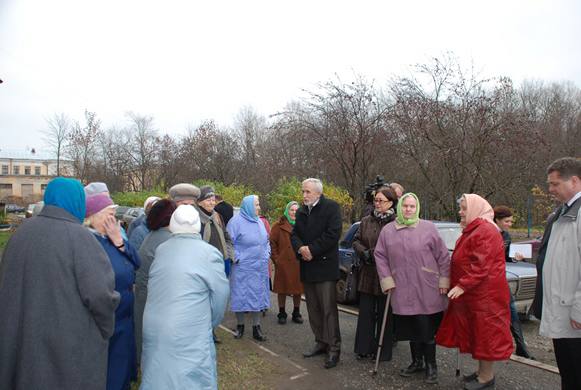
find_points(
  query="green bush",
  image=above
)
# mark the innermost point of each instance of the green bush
(232, 194)
(136, 199)
(288, 190)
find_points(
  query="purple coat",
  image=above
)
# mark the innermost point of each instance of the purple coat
(416, 262)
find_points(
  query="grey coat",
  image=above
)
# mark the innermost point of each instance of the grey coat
(147, 255)
(58, 306)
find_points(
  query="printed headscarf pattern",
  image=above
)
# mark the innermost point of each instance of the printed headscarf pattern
(286, 210)
(247, 208)
(68, 194)
(478, 207)
(408, 221)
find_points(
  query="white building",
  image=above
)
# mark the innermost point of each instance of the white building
(26, 173)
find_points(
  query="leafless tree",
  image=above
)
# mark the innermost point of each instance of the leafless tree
(56, 136)
(82, 143)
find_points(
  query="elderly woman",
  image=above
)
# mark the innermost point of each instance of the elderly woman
(186, 299)
(122, 367)
(413, 262)
(478, 318)
(249, 278)
(287, 279)
(371, 298)
(157, 222)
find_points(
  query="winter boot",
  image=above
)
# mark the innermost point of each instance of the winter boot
(257, 333)
(282, 317)
(297, 317)
(417, 364)
(239, 332)
(431, 367)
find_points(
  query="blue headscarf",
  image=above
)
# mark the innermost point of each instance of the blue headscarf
(68, 194)
(247, 208)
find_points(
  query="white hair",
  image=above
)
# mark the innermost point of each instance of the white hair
(316, 182)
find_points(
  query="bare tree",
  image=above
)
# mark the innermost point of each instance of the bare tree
(56, 136)
(143, 141)
(82, 143)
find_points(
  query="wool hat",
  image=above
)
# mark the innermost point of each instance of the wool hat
(205, 193)
(95, 188)
(96, 203)
(185, 219)
(150, 202)
(184, 191)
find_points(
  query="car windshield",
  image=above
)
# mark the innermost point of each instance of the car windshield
(450, 235)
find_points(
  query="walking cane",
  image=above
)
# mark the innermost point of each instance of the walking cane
(458, 362)
(380, 343)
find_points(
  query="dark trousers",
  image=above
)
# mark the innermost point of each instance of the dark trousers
(568, 354)
(371, 310)
(516, 330)
(323, 315)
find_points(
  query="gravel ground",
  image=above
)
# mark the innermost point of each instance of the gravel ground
(290, 340)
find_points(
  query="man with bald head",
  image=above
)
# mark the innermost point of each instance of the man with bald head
(315, 239)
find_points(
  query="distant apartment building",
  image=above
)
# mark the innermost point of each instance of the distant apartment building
(26, 173)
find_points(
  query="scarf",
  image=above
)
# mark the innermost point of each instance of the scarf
(400, 218)
(68, 194)
(287, 208)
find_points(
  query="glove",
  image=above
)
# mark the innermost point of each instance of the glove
(368, 257)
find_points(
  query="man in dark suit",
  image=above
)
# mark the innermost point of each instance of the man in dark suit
(315, 238)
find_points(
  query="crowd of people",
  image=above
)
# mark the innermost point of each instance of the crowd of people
(89, 305)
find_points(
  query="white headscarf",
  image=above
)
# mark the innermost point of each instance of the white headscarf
(185, 219)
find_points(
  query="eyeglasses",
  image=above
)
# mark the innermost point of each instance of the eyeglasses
(380, 201)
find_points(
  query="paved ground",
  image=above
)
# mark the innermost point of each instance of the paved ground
(286, 343)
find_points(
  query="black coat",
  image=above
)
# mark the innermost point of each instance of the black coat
(320, 230)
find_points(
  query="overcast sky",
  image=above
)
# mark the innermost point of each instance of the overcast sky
(185, 61)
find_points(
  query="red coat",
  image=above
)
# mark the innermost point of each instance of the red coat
(478, 322)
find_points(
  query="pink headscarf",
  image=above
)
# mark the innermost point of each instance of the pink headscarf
(478, 207)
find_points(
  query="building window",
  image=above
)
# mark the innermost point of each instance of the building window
(5, 190)
(27, 170)
(16, 170)
(37, 171)
(5, 169)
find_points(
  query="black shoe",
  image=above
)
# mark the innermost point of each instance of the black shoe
(332, 360)
(239, 332)
(317, 350)
(475, 385)
(297, 317)
(470, 378)
(364, 356)
(282, 318)
(257, 333)
(216, 339)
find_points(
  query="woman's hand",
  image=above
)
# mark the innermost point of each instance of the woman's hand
(519, 256)
(113, 230)
(388, 290)
(456, 292)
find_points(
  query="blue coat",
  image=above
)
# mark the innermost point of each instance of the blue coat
(186, 297)
(249, 283)
(122, 363)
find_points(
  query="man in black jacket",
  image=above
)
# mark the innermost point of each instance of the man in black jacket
(315, 238)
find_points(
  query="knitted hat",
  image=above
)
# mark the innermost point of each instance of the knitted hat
(95, 188)
(96, 203)
(184, 191)
(205, 193)
(185, 219)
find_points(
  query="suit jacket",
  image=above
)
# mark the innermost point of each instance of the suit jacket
(319, 229)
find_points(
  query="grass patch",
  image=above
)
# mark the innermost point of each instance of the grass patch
(4, 236)
(239, 367)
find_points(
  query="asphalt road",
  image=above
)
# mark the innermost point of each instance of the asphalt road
(286, 343)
